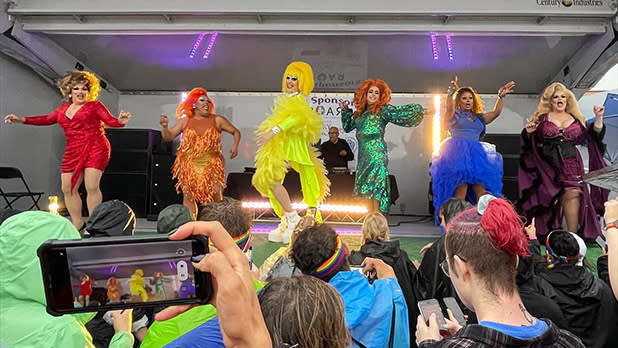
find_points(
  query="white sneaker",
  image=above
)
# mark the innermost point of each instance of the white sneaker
(275, 235)
(293, 219)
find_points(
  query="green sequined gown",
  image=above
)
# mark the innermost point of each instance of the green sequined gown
(372, 168)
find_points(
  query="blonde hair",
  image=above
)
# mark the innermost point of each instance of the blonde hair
(375, 227)
(545, 103)
(304, 74)
(67, 82)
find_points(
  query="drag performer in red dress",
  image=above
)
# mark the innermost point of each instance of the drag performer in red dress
(87, 149)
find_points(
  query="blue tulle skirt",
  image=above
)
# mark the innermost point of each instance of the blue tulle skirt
(465, 161)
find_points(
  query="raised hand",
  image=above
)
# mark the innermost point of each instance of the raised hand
(124, 117)
(11, 118)
(164, 121)
(343, 105)
(506, 89)
(454, 86)
(598, 111)
(264, 138)
(531, 126)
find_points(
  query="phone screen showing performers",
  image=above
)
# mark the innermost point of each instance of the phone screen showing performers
(124, 274)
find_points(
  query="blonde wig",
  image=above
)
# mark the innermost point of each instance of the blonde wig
(545, 103)
(68, 81)
(303, 72)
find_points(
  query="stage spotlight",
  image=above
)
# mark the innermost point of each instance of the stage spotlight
(53, 205)
(339, 208)
(79, 66)
(436, 125)
(103, 84)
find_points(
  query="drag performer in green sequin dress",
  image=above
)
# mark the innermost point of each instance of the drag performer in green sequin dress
(372, 115)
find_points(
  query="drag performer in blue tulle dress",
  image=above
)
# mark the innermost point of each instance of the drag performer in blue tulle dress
(463, 160)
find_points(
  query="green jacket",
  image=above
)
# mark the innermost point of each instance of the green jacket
(24, 322)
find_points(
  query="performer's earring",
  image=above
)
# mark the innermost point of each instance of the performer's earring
(194, 106)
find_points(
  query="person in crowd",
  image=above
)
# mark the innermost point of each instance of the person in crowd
(111, 218)
(335, 151)
(588, 305)
(172, 217)
(376, 243)
(199, 165)
(611, 217)
(279, 264)
(465, 169)
(87, 150)
(376, 313)
(305, 311)
(201, 323)
(483, 245)
(535, 292)
(239, 314)
(429, 280)
(24, 321)
(373, 112)
(285, 138)
(551, 167)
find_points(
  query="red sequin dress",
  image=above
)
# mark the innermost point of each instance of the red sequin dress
(87, 146)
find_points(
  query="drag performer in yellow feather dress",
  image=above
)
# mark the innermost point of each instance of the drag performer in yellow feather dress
(285, 138)
(199, 165)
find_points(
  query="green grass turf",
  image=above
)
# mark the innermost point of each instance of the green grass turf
(262, 248)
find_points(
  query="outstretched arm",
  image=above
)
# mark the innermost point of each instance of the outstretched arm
(44, 120)
(170, 134)
(347, 119)
(227, 126)
(104, 115)
(503, 91)
(410, 115)
(450, 100)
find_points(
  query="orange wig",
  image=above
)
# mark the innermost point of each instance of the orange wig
(477, 106)
(360, 97)
(186, 107)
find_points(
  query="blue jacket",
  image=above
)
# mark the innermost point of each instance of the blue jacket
(369, 310)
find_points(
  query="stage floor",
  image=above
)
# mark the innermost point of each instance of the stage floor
(412, 232)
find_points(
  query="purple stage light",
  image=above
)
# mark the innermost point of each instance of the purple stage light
(211, 43)
(196, 45)
(434, 46)
(449, 47)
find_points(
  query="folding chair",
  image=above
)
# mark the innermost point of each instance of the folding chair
(11, 197)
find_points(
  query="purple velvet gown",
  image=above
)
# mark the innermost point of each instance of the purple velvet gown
(551, 164)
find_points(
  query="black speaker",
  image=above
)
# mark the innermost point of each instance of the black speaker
(508, 146)
(162, 187)
(128, 174)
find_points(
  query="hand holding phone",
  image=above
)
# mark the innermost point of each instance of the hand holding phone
(237, 304)
(429, 307)
(102, 274)
(452, 305)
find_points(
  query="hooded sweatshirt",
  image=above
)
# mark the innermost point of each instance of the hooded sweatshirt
(24, 322)
(588, 305)
(390, 252)
(373, 311)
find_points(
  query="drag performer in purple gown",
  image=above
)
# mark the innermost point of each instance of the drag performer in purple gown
(551, 168)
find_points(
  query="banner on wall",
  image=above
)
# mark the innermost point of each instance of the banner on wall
(327, 105)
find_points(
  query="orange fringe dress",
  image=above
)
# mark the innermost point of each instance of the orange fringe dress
(199, 164)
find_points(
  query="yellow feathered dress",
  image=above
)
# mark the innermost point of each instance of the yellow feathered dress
(300, 127)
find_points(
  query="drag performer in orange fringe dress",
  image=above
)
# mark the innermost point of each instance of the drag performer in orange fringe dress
(199, 165)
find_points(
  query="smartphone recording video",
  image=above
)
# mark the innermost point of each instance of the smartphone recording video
(125, 272)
